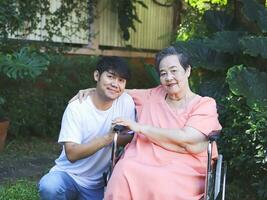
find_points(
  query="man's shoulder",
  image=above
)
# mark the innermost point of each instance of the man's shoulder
(76, 104)
(125, 97)
(125, 100)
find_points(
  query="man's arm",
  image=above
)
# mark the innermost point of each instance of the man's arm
(76, 151)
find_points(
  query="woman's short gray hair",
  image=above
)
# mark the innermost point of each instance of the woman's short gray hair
(169, 51)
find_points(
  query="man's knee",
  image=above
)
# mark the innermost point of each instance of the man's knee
(53, 186)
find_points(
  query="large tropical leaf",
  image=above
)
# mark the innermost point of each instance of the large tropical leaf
(225, 41)
(256, 12)
(217, 20)
(250, 83)
(202, 56)
(255, 46)
(212, 85)
(23, 64)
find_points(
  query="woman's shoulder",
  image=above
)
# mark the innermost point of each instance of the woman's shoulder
(203, 102)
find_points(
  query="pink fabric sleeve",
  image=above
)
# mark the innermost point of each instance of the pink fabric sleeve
(204, 116)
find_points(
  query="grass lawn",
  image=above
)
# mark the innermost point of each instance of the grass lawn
(22, 163)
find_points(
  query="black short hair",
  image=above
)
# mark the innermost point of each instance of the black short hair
(117, 65)
(169, 51)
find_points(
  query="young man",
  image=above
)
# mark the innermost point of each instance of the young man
(86, 135)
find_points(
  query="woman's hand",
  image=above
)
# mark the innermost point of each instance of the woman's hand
(83, 94)
(132, 125)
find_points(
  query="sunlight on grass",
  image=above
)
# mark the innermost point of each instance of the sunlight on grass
(20, 190)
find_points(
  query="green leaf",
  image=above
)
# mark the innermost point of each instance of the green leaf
(256, 12)
(255, 46)
(217, 20)
(225, 41)
(23, 64)
(212, 85)
(202, 56)
(250, 83)
(142, 4)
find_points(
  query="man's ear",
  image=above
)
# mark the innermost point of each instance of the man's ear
(96, 75)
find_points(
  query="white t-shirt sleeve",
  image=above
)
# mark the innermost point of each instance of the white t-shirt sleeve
(129, 107)
(71, 126)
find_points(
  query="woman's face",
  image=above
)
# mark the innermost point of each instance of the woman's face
(173, 76)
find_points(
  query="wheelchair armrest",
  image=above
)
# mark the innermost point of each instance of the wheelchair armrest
(214, 136)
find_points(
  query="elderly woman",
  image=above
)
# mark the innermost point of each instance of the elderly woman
(167, 157)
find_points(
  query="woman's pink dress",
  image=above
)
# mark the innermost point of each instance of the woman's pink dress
(150, 172)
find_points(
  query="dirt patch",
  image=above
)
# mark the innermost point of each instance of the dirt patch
(24, 162)
(30, 168)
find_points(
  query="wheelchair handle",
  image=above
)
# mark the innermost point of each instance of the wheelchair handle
(119, 128)
(214, 136)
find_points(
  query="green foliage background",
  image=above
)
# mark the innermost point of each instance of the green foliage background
(226, 40)
(230, 64)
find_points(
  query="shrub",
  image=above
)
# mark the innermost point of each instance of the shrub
(36, 106)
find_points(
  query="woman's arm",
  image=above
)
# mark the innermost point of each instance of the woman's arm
(188, 138)
(83, 94)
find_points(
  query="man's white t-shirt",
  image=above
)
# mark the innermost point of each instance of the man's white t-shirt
(82, 123)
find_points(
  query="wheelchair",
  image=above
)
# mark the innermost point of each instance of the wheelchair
(215, 181)
(216, 173)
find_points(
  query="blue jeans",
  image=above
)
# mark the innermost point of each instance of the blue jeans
(59, 185)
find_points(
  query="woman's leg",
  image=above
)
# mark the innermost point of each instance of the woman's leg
(118, 187)
(57, 185)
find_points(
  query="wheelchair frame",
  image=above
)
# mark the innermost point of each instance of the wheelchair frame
(115, 154)
(214, 175)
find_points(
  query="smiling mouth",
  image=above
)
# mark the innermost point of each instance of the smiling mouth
(113, 91)
(171, 85)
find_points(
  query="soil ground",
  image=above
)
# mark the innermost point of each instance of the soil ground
(27, 158)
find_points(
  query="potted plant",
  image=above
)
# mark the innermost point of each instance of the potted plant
(27, 63)
(4, 124)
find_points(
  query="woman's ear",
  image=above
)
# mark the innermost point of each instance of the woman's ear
(96, 75)
(188, 71)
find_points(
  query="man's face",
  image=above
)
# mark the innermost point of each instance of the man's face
(109, 85)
